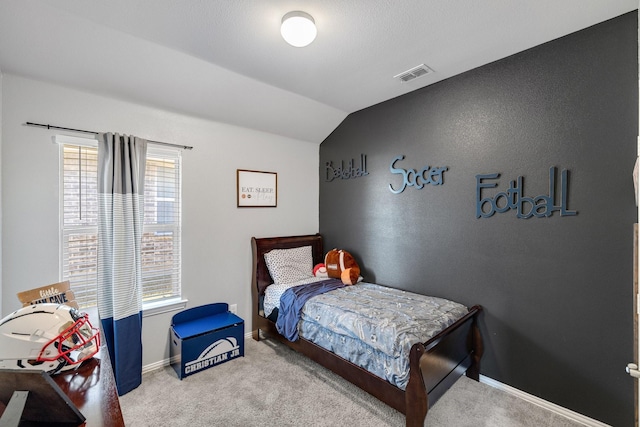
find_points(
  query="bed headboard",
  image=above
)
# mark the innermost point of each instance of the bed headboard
(259, 246)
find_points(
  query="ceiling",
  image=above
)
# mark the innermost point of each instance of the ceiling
(225, 60)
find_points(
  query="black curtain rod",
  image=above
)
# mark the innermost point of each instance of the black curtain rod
(184, 147)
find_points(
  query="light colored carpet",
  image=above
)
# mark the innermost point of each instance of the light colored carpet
(274, 386)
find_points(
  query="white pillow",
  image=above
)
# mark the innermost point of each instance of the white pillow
(289, 265)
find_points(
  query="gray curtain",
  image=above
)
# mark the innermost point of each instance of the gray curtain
(121, 169)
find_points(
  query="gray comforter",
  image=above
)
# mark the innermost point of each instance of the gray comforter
(374, 326)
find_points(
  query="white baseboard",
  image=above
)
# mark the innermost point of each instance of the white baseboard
(557, 409)
(155, 365)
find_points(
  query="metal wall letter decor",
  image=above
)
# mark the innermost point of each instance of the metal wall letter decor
(413, 178)
(346, 173)
(541, 206)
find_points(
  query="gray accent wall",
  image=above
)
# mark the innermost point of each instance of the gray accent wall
(556, 291)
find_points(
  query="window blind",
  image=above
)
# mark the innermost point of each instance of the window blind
(80, 221)
(162, 226)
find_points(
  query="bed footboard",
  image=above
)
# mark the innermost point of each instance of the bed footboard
(437, 364)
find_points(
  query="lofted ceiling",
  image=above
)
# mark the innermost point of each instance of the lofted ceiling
(225, 60)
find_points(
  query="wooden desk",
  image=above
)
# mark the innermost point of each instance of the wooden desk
(92, 389)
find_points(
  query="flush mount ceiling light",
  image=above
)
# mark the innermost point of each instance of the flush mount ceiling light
(298, 28)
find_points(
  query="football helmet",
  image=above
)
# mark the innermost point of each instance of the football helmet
(47, 337)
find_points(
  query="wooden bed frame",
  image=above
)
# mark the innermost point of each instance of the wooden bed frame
(434, 365)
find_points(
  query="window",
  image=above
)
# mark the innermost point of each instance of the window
(161, 245)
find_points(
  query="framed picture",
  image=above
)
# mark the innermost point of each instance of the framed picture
(257, 189)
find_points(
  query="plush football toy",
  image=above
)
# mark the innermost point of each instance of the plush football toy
(320, 270)
(341, 265)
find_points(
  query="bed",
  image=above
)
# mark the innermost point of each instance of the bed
(433, 365)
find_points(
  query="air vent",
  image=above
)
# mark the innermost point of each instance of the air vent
(414, 73)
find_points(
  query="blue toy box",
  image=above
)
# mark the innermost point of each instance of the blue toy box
(203, 337)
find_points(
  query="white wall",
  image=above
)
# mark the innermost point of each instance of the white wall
(216, 246)
(1, 76)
